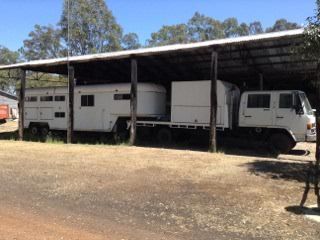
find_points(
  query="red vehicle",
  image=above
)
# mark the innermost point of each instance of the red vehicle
(4, 113)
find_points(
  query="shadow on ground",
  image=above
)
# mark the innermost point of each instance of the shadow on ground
(226, 145)
(303, 210)
(60, 137)
(279, 170)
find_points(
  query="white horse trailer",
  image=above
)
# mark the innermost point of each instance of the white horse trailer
(98, 108)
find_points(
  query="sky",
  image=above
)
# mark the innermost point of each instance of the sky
(143, 17)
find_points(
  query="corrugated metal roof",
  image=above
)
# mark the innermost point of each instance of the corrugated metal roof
(154, 50)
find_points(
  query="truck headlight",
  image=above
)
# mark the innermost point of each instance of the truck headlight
(310, 126)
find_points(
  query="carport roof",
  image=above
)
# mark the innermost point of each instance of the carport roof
(241, 58)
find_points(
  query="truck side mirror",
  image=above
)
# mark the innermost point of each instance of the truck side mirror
(299, 110)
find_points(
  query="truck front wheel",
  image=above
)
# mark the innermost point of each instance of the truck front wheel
(281, 142)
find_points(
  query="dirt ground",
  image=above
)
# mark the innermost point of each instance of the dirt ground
(57, 191)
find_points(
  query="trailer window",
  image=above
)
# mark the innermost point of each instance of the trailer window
(286, 101)
(59, 114)
(31, 99)
(46, 99)
(87, 100)
(59, 98)
(121, 97)
(258, 101)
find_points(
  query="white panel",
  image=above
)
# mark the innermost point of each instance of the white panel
(31, 113)
(191, 102)
(189, 114)
(46, 113)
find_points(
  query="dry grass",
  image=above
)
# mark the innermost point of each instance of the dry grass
(148, 193)
(9, 126)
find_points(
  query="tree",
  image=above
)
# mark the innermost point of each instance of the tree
(169, 35)
(7, 78)
(243, 29)
(231, 27)
(311, 50)
(255, 28)
(203, 28)
(282, 25)
(44, 42)
(130, 41)
(93, 28)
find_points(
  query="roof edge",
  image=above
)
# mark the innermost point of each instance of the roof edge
(153, 50)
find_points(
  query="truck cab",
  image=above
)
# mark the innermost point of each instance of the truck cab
(286, 116)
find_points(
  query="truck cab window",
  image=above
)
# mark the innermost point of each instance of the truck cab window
(304, 102)
(258, 101)
(87, 100)
(46, 99)
(121, 97)
(286, 101)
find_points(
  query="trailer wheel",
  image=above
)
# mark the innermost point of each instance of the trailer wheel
(34, 130)
(44, 131)
(121, 134)
(281, 142)
(164, 136)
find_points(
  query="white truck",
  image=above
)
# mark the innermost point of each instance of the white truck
(280, 117)
(283, 118)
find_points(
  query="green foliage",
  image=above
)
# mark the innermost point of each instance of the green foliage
(7, 79)
(203, 28)
(44, 42)
(231, 27)
(7, 56)
(130, 41)
(169, 35)
(92, 27)
(311, 48)
(255, 28)
(282, 25)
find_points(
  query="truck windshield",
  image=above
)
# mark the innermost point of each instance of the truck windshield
(305, 103)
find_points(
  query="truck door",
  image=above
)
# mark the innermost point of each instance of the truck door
(286, 116)
(258, 110)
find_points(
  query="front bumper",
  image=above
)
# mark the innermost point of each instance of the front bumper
(311, 135)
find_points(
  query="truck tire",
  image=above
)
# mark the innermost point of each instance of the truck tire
(121, 134)
(164, 136)
(34, 130)
(281, 142)
(44, 131)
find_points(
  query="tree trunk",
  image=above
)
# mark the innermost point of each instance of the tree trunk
(213, 102)
(317, 163)
(133, 101)
(71, 104)
(21, 102)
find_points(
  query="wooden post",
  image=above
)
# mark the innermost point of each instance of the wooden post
(21, 102)
(260, 81)
(133, 101)
(317, 155)
(213, 102)
(71, 104)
